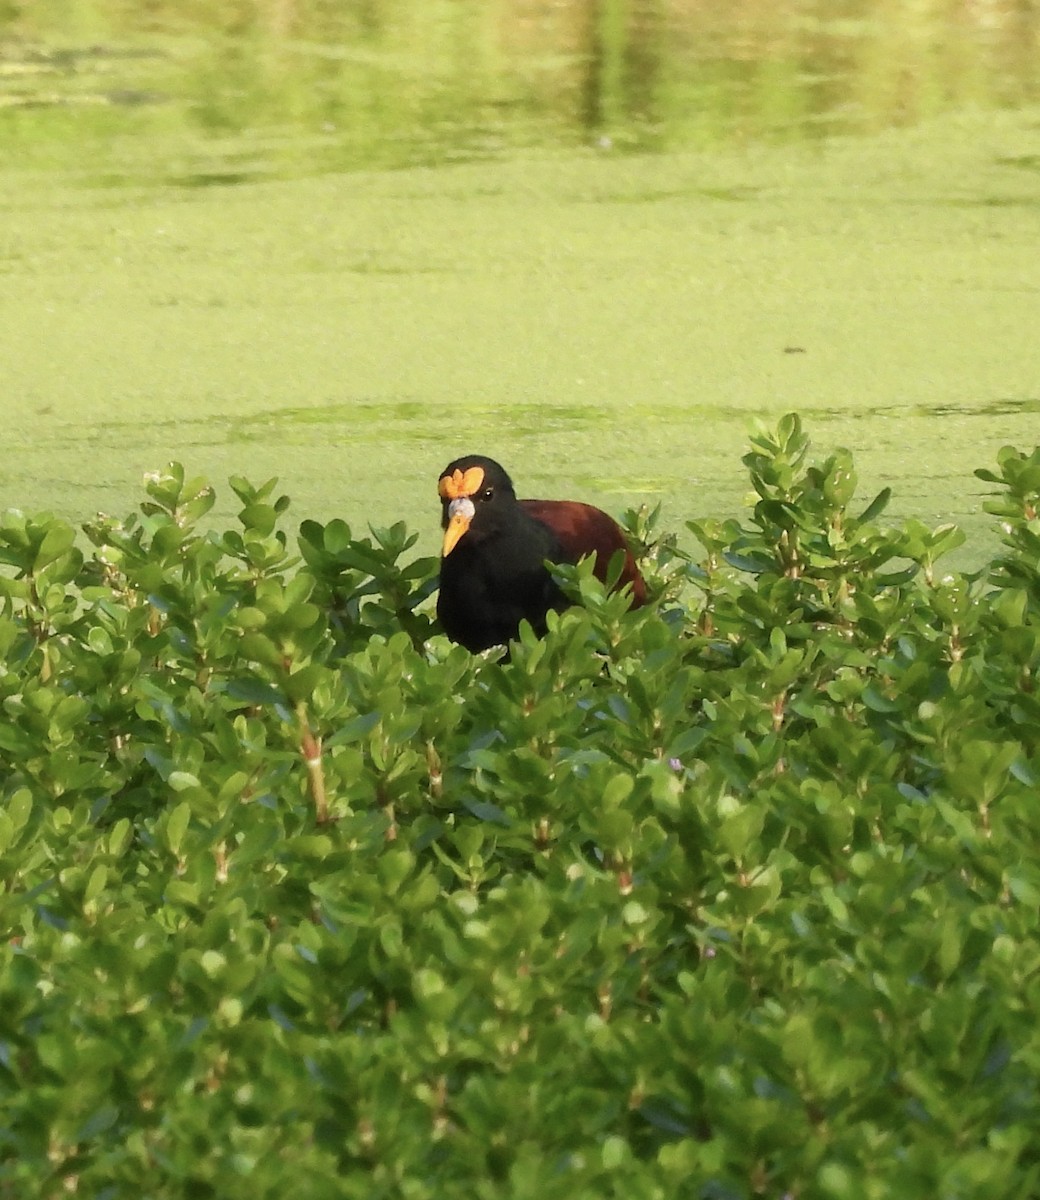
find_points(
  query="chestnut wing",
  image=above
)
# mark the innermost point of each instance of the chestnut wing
(584, 529)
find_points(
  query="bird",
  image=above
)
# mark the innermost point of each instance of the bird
(493, 573)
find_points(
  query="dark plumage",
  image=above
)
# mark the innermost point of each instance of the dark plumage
(493, 572)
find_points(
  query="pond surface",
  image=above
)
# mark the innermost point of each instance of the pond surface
(343, 243)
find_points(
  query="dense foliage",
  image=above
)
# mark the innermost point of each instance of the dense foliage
(736, 895)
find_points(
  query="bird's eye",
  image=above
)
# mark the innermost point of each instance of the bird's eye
(487, 493)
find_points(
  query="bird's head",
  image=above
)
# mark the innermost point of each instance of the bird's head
(473, 491)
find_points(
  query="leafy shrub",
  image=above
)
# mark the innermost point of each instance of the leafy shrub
(733, 896)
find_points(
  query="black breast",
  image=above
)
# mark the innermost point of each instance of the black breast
(487, 587)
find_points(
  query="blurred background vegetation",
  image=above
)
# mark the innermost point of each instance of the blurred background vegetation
(333, 84)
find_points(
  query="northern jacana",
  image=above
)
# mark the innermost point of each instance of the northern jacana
(493, 572)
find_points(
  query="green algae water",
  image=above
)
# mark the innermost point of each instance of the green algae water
(343, 244)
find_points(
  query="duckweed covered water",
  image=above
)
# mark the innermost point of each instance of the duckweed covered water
(596, 266)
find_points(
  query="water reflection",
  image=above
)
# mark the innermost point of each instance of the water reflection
(326, 86)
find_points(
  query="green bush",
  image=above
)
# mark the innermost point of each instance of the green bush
(733, 896)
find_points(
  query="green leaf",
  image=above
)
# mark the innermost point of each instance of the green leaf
(254, 691)
(877, 506)
(484, 810)
(177, 825)
(95, 883)
(355, 729)
(617, 791)
(391, 940)
(56, 541)
(120, 837)
(19, 808)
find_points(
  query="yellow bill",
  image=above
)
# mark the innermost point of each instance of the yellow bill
(460, 514)
(457, 526)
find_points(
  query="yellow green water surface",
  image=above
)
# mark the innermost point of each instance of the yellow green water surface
(345, 243)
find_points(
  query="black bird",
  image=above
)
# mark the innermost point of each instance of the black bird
(493, 572)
